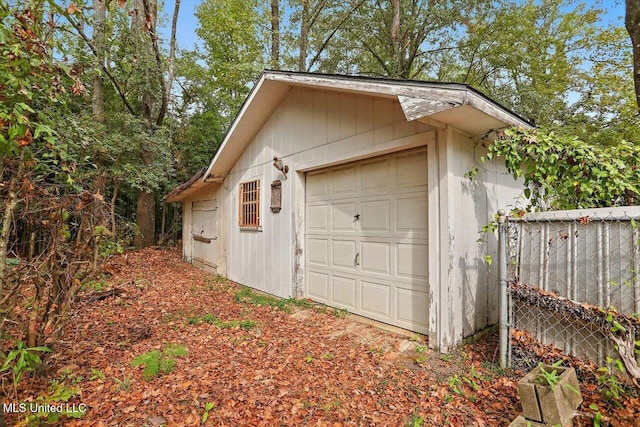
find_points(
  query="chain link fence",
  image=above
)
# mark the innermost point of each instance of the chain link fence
(573, 280)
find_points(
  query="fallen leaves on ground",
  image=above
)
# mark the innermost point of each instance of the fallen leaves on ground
(299, 367)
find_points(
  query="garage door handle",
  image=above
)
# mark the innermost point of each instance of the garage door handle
(356, 262)
(357, 216)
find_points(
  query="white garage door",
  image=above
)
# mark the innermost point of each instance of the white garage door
(366, 238)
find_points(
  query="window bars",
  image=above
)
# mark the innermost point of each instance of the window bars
(250, 204)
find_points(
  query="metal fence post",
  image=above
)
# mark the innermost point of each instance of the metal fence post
(502, 275)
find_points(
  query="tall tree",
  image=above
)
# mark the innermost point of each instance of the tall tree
(529, 56)
(398, 38)
(632, 22)
(234, 51)
(313, 29)
(605, 111)
(137, 73)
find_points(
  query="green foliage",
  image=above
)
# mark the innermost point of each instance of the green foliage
(124, 383)
(549, 376)
(207, 408)
(455, 384)
(207, 318)
(157, 363)
(536, 59)
(33, 93)
(240, 324)
(248, 296)
(367, 43)
(597, 419)
(562, 172)
(96, 285)
(22, 359)
(231, 324)
(414, 420)
(614, 390)
(234, 56)
(421, 354)
(97, 374)
(109, 248)
(58, 393)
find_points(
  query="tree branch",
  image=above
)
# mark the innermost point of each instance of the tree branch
(105, 70)
(172, 49)
(333, 33)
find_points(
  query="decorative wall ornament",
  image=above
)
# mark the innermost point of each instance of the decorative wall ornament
(276, 196)
(279, 164)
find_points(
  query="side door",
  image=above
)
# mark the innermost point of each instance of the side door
(203, 234)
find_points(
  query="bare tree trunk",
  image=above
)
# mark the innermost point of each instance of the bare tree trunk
(112, 210)
(97, 96)
(304, 37)
(7, 218)
(145, 219)
(163, 231)
(395, 25)
(275, 34)
(333, 32)
(172, 50)
(32, 246)
(145, 22)
(396, 55)
(632, 22)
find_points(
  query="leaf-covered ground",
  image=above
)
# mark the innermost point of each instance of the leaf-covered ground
(254, 361)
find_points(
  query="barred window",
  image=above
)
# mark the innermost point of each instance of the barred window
(250, 204)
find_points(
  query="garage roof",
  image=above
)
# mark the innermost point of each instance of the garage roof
(435, 103)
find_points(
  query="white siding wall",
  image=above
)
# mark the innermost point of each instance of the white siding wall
(472, 205)
(308, 129)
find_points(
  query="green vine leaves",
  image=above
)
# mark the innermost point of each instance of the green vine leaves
(563, 172)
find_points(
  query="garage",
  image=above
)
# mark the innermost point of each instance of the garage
(366, 238)
(364, 199)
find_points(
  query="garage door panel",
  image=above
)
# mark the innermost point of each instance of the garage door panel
(343, 182)
(318, 252)
(376, 299)
(411, 260)
(318, 285)
(342, 216)
(375, 177)
(318, 218)
(411, 170)
(376, 257)
(411, 214)
(344, 291)
(412, 309)
(343, 254)
(367, 247)
(317, 186)
(375, 215)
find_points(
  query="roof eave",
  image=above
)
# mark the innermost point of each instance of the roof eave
(427, 102)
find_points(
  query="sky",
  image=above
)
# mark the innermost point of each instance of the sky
(187, 22)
